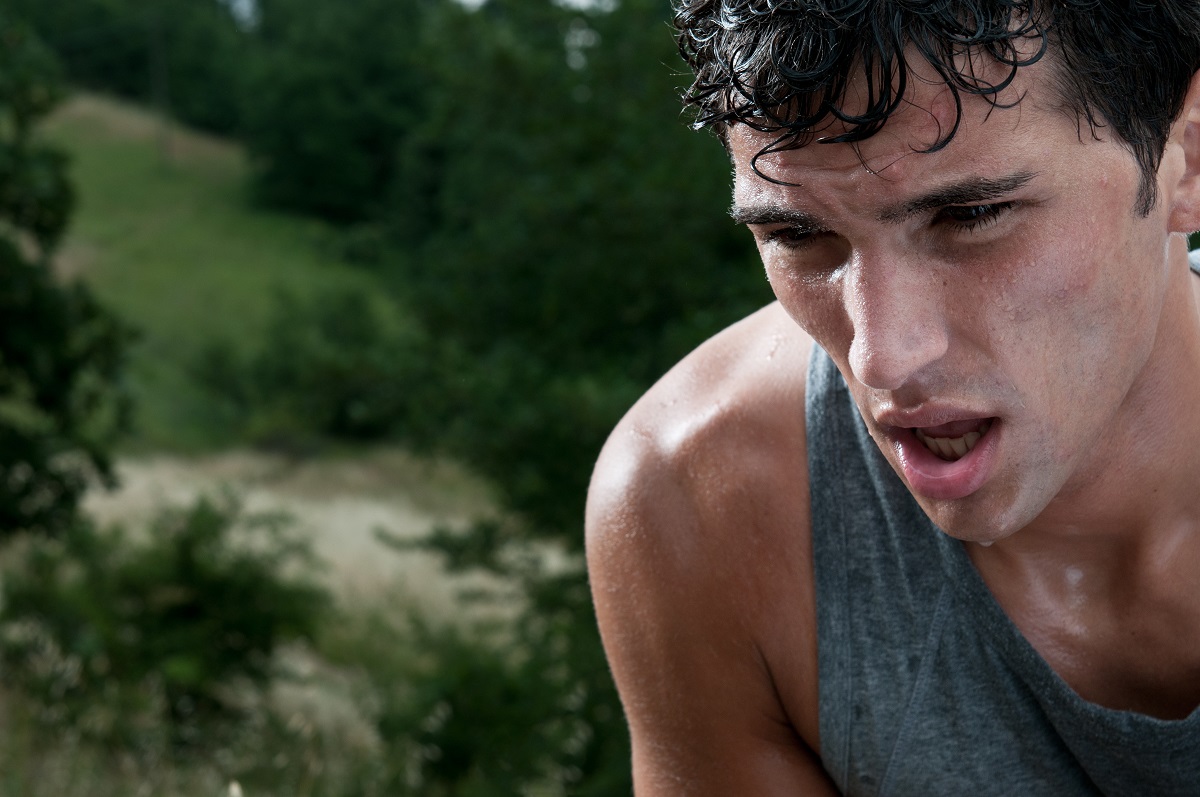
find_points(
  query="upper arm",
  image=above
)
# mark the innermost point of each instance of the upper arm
(692, 572)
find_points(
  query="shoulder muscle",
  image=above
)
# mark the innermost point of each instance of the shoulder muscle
(699, 558)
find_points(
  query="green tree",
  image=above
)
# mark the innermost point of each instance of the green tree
(102, 44)
(188, 54)
(558, 234)
(571, 243)
(61, 354)
(566, 244)
(332, 90)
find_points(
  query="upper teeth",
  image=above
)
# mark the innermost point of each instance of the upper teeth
(953, 447)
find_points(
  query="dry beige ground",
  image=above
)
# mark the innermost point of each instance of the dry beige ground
(337, 503)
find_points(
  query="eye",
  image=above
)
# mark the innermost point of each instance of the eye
(973, 217)
(791, 237)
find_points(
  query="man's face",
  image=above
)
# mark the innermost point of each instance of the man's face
(999, 297)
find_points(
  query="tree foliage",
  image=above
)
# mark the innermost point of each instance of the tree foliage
(532, 196)
(61, 353)
(331, 91)
(558, 234)
(572, 252)
(115, 637)
(519, 177)
(186, 54)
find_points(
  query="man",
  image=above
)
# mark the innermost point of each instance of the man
(929, 524)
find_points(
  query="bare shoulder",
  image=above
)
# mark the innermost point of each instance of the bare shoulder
(700, 561)
(723, 426)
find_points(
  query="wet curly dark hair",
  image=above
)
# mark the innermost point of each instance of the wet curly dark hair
(783, 65)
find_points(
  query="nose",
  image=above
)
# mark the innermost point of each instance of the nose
(897, 311)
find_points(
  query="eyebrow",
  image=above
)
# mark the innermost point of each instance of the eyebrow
(972, 190)
(772, 214)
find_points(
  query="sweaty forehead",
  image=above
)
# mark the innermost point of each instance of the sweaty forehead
(929, 115)
(927, 108)
(983, 129)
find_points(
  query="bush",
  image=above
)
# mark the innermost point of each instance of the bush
(62, 401)
(116, 638)
(484, 709)
(331, 93)
(339, 365)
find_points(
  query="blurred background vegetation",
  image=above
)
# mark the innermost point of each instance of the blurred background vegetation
(461, 237)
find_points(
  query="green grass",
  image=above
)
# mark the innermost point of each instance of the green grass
(172, 243)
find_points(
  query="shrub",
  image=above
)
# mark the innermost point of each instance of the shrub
(338, 365)
(474, 710)
(116, 637)
(62, 402)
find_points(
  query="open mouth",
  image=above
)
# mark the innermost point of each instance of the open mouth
(953, 441)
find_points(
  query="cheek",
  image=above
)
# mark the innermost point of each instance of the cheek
(815, 304)
(1049, 312)
(1070, 276)
(1106, 251)
(1090, 305)
(808, 284)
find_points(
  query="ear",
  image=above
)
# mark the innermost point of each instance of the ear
(1181, 178)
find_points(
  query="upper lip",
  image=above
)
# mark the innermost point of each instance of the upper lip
(926, 415)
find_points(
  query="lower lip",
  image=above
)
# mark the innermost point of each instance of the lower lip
(929, 475)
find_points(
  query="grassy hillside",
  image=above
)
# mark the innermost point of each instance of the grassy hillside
(167, 237)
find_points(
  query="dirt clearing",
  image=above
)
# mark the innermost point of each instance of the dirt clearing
(337, 503)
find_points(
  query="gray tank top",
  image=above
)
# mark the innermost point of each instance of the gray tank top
(926, 687)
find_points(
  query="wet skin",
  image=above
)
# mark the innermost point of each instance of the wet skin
(1043, 307)
(1043, 310)
(1004, 286)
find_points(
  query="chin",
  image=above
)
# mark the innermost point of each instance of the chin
(976, 535)
(984, 524)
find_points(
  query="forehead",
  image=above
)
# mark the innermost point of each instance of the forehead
(1026, 121)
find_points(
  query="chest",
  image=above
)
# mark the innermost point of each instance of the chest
(1128, 651)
